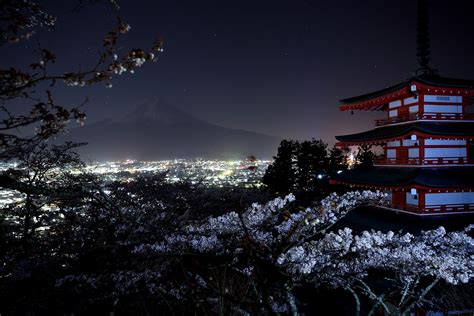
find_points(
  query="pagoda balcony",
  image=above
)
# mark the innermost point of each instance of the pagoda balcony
(425, 161)
(425, 116)
(435, 209)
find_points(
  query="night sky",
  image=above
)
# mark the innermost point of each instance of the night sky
(276, 67)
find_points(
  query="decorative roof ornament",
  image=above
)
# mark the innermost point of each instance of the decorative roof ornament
(423, 40)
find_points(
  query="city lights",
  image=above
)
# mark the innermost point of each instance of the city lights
(211, 173)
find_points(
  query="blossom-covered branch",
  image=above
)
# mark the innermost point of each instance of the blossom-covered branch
(47, 116)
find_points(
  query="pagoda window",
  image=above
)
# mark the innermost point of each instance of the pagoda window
(445, 153)
(413, 109)
(394, 104)
(443, 98)
(392, 113)
(448, 142)
(456, 198)
(391, 154)
(410, 100)
(434, 108)
(394, 143)
(413, 153)
(409, 142)
(412, 199)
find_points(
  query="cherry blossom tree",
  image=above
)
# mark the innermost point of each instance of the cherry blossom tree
(256, 260)
(48, 177)
(35, 85)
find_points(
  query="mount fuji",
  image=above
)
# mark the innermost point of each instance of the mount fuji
(157, 130)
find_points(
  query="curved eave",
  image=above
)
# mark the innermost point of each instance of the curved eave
(449, 83)
(378, 100)
(442, 130)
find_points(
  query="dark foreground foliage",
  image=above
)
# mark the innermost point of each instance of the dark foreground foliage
(92, 231)
(147, 247)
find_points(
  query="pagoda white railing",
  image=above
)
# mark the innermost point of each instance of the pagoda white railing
(425, 116)
(441, 208)
(425, 161)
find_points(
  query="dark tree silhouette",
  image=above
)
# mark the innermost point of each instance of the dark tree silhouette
(303, 168)
(281, 174)
(365, 157)
(337, 159)
(312, 166)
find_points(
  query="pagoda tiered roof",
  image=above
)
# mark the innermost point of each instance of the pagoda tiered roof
(458, 130)
(392, 177)
(378, 100)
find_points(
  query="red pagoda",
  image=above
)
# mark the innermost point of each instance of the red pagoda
(426, 137)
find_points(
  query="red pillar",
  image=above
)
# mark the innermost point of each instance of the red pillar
(421, 200)
(421, 146)
(421, 105)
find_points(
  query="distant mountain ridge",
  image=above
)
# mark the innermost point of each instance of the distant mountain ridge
(158, 111)
(157, 130)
